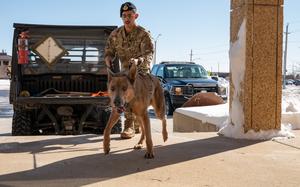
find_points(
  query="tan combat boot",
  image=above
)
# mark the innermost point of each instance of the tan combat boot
(128, 131)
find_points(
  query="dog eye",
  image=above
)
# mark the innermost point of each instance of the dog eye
(124, 88)
(112, 88)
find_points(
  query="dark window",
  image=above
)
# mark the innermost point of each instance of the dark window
(5, 63)
(185, 71)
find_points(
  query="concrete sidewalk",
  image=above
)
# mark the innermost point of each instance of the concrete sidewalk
(186, 159)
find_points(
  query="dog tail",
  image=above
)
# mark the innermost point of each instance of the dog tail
(158, 101)
(158, 104)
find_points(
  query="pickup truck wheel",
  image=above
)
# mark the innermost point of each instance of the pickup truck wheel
(21, 124)
(169, 107)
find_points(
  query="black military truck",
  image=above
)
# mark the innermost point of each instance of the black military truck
(59, 79)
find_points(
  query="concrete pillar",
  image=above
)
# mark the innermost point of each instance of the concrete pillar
(256, 29)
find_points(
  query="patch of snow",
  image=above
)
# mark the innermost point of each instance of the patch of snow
(237, 53)
(237, 132)
(291, 99)
(4, 84)
(215, 114)
(292, 119)
(6, 109)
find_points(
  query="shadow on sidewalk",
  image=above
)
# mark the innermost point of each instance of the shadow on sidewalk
(99, 167)
(41, 146)
(4, 134)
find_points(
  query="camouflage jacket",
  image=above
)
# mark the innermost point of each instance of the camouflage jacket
(136, 44)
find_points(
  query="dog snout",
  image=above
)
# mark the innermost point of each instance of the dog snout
(118, 102)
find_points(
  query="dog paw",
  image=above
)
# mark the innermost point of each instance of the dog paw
(149, 155)
(106, 150)
(165, 138)
(165, 135)
(138, 146)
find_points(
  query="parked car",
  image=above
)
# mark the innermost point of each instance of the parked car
(223, 86)
(289, 82)
(181, 80)
(297, 82)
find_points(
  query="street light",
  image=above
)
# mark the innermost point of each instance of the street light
(285, 54)
(155, 41)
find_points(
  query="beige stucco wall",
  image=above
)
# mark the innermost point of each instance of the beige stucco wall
(3, 69)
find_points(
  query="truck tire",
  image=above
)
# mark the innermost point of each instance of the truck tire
(21, 124)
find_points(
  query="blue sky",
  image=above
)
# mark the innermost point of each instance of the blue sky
(200, 25)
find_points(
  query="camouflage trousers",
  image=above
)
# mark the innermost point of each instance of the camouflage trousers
(130, 121)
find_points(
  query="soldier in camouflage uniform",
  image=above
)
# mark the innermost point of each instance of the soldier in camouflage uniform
(130, 43)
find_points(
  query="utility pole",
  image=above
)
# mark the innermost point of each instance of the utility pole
(155, 41)
(285, 53)
(191, 56)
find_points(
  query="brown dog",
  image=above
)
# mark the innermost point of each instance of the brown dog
(136, 91)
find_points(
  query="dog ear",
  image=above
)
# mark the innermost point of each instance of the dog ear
(132, 73)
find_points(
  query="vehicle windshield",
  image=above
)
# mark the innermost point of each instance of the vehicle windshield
(185, 71)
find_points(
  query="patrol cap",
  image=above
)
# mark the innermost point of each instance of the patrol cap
(126, 7)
